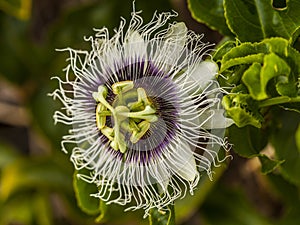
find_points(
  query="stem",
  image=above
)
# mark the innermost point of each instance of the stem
(277, 101)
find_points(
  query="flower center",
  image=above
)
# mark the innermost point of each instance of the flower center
(131, 111)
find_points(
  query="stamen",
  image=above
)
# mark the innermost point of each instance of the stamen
(137, 135)
(100, 115)
(146, 114)
(100, 96)
(119, 141)
(122, 86)
(142, 100)
(108, 132)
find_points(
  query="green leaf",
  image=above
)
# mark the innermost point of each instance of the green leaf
(19, 210)
(103, 211)
(269, 70)
(289, 195)
(211, 13)
(15, 48)
(230, 206)
(242, 109)
(165, 217)
(232, 77)
(249, 59)
(283, 139)
(187, 207)
(42, 107)
(242, 19)
(83, 190)
(246, 53)
(18, 8)
(298, 138)
(247, 141)
(7, 155)
(257, 77)
(42, 209)
(223, 49)
(268, 165)
(254, 20)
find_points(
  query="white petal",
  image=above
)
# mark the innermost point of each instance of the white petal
(183, 163)
(163, 177)
(204, 72)
(177, 34)
(215, 119)
(135, 45)
(170, 50)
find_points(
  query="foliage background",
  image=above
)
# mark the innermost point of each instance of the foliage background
(36, 177)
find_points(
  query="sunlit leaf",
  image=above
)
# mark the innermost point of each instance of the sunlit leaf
(223, 49)
(257, 77)
(269, 71)
(242, 109)
(246, 53)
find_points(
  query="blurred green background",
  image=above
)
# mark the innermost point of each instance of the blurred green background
(36, 177)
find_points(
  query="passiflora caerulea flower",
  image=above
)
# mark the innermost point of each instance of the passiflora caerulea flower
(145, 112)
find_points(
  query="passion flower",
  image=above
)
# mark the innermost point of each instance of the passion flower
(145, 112)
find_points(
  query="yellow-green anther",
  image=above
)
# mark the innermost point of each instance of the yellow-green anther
(141, 102)
(105, 113)
(108, 132)
(103, 90)
(100, 96)
(100, 119)
(142, 96)
(133, 126)
(147, 114)
(122, 146)
(137, 135)
(122, 86)
(136, 106)
(119, 142)
(114, 145)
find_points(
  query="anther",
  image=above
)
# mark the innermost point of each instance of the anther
(122, 86)
(137, 135)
